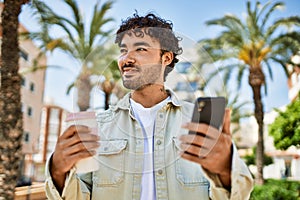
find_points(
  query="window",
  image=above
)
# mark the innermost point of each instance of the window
(29, 111)
(32, 87)
(23, 81)
(23, 55)
(26, 137)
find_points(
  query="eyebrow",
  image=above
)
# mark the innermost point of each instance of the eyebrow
(137, 44)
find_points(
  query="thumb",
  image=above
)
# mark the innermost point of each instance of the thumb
(226, 123)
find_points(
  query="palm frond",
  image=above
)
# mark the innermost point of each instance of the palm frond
(229, 21)
(241, 72)
(283, 22)
(232, 23)
(70, 87)
(262, 10)
(282, 64)
(98, 20)
(227, 70)
(271, 10)
(252, 20)
(269, 68)
(290, 40)
(265, 85)
(76, 13)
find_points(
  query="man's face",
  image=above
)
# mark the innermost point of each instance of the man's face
(140, 61)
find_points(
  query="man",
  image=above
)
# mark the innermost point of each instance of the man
(145, 151)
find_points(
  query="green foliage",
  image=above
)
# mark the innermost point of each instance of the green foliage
(251, 159)
(277, 190)
(286, 127)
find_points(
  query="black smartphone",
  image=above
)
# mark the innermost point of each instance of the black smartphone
(209, 110)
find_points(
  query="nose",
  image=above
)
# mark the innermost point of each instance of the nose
(126, 59)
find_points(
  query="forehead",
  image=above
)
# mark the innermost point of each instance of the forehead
(141, 38)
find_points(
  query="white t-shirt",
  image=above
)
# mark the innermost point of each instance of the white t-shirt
(146, 118)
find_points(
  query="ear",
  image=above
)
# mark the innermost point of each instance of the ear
(167, 58)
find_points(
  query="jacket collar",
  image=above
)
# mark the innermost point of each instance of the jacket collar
(124, 103)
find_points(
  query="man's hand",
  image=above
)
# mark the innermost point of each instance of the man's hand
(210, 148)
(74, 144)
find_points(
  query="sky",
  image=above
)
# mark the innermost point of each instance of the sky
(189, 19)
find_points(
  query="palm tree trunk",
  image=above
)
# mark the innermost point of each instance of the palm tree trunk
(256, 80)
(107, 98)
(107, 87)
(10, 101)
(259, 115)
(84, 88)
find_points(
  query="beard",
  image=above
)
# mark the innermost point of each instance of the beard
(144, 75)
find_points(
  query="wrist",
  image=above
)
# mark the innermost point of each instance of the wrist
(58, 177)
(225, 178)
(54, 170)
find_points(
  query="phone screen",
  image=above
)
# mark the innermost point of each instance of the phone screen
(209, 110)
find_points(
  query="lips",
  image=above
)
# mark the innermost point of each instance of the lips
(128, 71)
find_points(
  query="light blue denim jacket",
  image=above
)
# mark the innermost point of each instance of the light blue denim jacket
(121, 155)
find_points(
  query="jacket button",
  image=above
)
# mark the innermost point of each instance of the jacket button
(160, 171)
(158, 142)
(161, 115)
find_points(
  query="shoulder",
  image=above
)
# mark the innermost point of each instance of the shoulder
(105, 116)
(109, 114)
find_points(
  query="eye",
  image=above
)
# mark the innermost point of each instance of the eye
(123, 51)
(141, 49)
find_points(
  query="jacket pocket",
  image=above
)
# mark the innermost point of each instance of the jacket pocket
(111, 157)
(188, 173)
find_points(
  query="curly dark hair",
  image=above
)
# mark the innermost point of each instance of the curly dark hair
(155, 27)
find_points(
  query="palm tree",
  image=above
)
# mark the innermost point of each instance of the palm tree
(252, 47)
(236, 112)
(11, 124)
(107, 67)
(111, 77)
(78, 39)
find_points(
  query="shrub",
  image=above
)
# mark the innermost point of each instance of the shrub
(277, 190)
(251, 159)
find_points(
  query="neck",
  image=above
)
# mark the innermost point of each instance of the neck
(149, 95)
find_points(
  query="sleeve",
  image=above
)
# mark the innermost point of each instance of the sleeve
(75, 188)
(241, 181)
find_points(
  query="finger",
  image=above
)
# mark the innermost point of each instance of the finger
(226, 124)
(192, 157)
(194, 150)
(81, 155)
(83, 146)
(88, 137)
(203, 129)
(192, 139)
(204, 144)
(78, 138)
(69, 132)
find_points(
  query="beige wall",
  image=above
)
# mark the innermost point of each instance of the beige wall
(32, 98)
